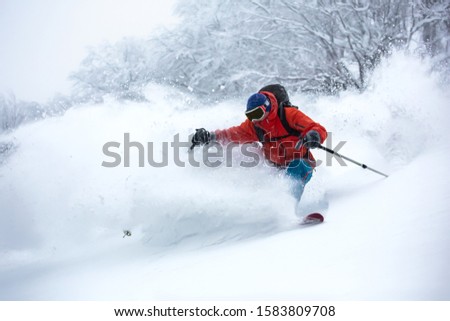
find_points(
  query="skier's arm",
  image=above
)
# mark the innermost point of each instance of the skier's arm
(244, 133)
(302, 123)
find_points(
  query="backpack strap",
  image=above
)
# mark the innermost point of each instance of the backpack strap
(282, 115)
(260, 133)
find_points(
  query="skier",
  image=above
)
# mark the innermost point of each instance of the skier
(286, 134)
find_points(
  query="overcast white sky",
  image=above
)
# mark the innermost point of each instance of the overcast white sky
(43, 41)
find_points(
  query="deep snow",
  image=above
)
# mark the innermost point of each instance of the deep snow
(231, 232)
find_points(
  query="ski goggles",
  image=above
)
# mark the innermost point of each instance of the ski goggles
(258, 112)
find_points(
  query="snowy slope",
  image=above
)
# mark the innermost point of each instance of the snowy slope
(217, 233)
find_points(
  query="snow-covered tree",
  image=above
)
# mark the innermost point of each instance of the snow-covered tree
(14, 112)
(208, 54)
(120, 69)
(224, 48)
(433, 19)
(231, 47)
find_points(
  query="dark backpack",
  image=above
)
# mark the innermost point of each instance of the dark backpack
(282, 98)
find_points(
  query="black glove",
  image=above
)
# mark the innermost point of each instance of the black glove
(201, 136)
(311, 139)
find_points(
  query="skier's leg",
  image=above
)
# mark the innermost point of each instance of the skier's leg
(300, 171)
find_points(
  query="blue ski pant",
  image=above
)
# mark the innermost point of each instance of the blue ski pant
(300, 171)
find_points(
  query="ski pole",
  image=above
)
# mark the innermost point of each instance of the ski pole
(350, 160)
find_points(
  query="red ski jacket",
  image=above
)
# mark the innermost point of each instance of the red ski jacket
(278, 146)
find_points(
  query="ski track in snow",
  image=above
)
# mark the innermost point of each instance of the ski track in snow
(230, 232)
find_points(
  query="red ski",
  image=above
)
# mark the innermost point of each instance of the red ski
(313, 218)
